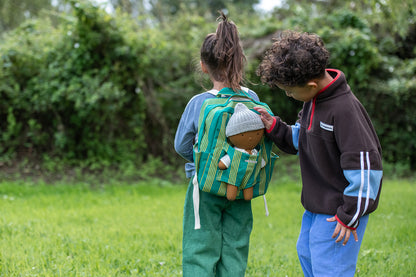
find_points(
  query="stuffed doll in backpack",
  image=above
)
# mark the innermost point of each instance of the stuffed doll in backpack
(244, 131)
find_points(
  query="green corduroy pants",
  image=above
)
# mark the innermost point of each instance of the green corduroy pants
(220, 247)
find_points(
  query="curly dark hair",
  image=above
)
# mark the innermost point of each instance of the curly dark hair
(293, 60)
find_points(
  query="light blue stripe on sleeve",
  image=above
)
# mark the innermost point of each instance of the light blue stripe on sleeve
(295, 135)
(354, 178)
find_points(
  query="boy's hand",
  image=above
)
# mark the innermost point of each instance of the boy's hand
(342, 232)
(265, 117)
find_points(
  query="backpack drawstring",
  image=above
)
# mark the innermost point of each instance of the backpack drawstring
(195, 196)
(265, 205)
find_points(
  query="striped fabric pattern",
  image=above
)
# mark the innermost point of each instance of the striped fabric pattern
(245, 170)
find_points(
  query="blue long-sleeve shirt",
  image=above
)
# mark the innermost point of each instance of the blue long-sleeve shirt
(188, 127)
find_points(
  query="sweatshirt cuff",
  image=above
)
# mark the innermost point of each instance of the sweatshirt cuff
(272, 127)
(343, 224)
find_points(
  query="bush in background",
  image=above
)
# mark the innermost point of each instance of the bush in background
(95, 90)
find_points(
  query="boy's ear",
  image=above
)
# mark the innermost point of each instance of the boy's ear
(312, 84)
(203, 67)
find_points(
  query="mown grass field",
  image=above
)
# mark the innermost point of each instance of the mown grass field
(136, 230)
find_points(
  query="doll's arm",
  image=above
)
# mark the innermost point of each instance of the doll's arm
(224, 163)
(221, 165)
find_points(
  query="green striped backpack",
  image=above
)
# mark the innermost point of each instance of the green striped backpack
(245, 170)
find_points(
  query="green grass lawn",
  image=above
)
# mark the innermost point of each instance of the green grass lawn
(136, 230)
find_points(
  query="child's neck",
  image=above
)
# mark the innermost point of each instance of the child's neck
(218, 85)
(324, 81)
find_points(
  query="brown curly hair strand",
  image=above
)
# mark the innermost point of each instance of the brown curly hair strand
(293, 60)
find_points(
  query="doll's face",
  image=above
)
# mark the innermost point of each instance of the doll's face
(247, 140)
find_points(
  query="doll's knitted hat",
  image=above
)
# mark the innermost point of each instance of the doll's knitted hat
(243, 120)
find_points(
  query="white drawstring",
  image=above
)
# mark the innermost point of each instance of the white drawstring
(265, 205)
(195, 196)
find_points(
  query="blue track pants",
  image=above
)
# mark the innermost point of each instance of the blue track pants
(319, 254)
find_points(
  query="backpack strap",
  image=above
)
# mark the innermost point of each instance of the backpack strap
(213, 92)
(229, 92)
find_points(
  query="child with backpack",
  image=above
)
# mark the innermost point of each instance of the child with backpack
(217, 245)
(338, 148)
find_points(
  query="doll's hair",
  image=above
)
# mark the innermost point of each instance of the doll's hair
(222, 54)
(294, 59)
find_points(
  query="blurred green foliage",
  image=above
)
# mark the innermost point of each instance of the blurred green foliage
(107, 89)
